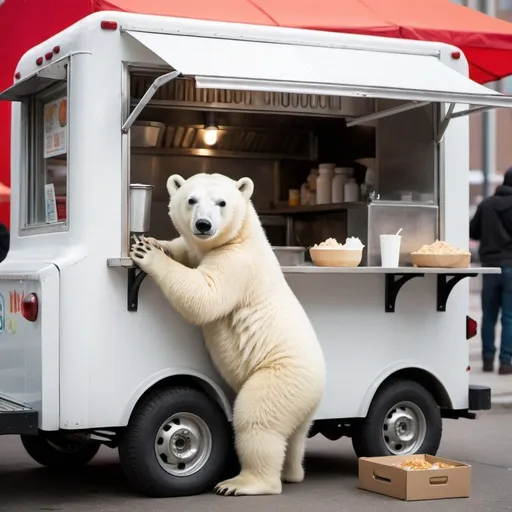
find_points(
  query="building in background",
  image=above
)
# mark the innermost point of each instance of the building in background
(495, 150)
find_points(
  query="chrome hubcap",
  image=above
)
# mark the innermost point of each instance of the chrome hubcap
(404, 428)
(183, 444)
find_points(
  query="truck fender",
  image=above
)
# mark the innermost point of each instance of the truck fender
(407, 364)
(216, 391)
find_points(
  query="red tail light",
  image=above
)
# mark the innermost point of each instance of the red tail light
(109, 25)
(471, 328)
(30, 307)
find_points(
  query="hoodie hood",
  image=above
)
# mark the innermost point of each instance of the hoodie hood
(507, 178)
(504, 191)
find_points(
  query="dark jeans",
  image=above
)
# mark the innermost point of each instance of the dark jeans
(496, 296)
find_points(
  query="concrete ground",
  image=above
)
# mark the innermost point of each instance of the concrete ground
(330, 485)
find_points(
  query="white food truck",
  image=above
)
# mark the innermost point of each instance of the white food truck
(105, 111)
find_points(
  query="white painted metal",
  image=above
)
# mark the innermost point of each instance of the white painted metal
(29, 352)
(108, 357)
(238, 64)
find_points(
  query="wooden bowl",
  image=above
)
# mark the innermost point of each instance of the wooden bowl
(441, 260)
(336, 257)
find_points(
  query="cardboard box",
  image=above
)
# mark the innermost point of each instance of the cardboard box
(377, 474)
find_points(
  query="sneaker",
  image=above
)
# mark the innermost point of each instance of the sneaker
(489, 366)
(505, 369)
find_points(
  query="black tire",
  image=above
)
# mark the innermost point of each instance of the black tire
(56, 452)
(137, 453)
(368, 438)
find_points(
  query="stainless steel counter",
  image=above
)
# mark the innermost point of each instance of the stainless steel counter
(394, 278)
(312, 269)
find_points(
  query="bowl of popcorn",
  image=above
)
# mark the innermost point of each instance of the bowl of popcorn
(441, 255)
(330, 253)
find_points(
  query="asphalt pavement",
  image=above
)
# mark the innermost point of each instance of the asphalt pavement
(330, 485)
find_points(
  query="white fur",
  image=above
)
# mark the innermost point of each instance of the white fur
(259, 336)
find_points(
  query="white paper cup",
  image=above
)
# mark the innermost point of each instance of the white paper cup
(390, 250)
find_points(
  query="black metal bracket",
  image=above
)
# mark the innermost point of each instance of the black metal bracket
(393, 284)
(135, 278)
(445, 287)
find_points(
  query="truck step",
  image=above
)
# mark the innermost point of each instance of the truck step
(17, 419)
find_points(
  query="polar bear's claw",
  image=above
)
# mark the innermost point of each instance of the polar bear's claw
(146, 254)
(247, 485)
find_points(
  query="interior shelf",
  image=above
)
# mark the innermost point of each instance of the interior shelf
(317, 208)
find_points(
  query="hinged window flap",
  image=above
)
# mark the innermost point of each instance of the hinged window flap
(37, 82)
(276, 66)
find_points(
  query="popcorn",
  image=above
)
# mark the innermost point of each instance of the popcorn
(330, 243)
(439, 247)
(420, 465)
(351, 243)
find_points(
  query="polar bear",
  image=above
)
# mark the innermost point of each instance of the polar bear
(222, 275)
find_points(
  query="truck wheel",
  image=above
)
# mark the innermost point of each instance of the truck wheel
(56, 452)
(177, 443)
(403, 419)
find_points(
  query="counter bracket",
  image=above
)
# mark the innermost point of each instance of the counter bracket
(135, 278)
(445, 287)
(394, 283)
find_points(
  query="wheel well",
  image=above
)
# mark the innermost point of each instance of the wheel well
(424, 378)
(189, 381)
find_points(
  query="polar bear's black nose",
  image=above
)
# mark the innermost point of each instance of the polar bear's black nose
(203, 226)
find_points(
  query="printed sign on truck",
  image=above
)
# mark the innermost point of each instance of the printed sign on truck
(55, 122)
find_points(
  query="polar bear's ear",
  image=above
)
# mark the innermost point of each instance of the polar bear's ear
(246, 187)
(174, 182)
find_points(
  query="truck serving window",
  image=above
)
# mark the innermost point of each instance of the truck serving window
(47, 171)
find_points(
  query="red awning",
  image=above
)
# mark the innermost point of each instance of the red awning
(486, 41)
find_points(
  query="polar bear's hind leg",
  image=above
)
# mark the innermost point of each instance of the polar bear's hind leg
(293, 470)
(263, 420)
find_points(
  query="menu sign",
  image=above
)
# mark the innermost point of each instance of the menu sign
(55, 122)
(51, 205)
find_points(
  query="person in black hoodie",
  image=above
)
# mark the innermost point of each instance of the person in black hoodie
(492, 227)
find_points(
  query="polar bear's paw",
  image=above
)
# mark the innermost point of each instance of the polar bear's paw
(293, 475)
(145, 254)
(246, 484)
(154, 242)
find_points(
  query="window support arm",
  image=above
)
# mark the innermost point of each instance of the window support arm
(386, 113)
(444, 123)
(161, 80)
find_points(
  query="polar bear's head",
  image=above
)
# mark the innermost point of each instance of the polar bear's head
(208, 208)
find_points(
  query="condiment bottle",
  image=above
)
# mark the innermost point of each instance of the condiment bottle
(341, 176)
(324, 184)
(351, 191)
(293, 197)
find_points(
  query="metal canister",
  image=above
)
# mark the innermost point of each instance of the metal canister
(140, 207)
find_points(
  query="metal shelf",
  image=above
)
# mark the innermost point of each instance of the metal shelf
(317, 208)
(216, 153)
